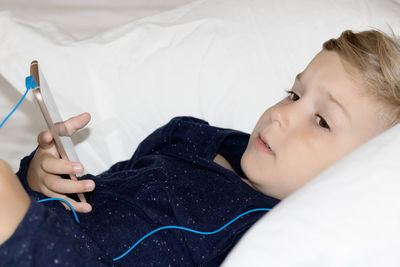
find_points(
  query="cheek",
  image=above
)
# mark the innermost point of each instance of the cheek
(318, 154)
(305, 154)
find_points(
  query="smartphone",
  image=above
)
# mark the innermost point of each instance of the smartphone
(43, 97)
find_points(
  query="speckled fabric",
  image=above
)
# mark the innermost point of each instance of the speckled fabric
(171, 179)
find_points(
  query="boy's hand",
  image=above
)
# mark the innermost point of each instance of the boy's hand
(46, 167)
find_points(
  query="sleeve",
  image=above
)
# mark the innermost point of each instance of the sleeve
(42, 239)
(23, 171)
(154, 142)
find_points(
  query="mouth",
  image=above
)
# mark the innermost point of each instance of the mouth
(263, 140)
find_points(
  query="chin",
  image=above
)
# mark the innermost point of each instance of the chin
(248, 163)
(243, 162)
(249, 166)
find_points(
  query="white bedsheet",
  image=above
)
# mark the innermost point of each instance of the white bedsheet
(78, 20)
(83, 19)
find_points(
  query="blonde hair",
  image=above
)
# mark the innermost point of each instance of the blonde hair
(377, 58)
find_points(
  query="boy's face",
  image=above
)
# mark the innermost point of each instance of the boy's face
(308, 132)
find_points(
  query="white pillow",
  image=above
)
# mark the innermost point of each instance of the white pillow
(348, 216)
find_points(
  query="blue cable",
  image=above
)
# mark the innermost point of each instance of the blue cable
(55, 198)
(187, 229)
(29, 83)
(166, 227)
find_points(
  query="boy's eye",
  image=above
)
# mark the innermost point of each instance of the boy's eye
(322, 122)
(292, 95)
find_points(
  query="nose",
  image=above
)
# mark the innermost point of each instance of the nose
(280, 115)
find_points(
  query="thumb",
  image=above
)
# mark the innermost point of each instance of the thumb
(46, 142)
(45, 139)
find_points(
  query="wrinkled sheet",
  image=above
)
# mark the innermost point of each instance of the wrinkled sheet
(74, 20)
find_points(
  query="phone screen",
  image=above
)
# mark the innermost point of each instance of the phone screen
(56, 118)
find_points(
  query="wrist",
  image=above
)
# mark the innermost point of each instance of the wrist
(23, 170)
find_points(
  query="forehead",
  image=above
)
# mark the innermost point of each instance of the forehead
(328, 77)
(327, 68)
(328, 73)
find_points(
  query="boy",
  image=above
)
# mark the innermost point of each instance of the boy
(191, 174)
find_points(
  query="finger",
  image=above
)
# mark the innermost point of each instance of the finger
(78, 206)
(68, 186)
(70, 126)
(55, 165)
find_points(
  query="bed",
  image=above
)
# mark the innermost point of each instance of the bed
(133, 65)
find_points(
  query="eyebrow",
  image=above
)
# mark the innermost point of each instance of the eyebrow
(330, 97)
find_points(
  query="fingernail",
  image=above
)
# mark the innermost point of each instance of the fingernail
(78, 168)
(89, 185)
(87, 208)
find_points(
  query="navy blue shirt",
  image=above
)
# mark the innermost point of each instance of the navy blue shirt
(171, 179)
